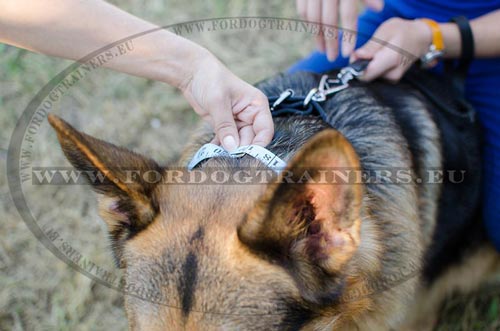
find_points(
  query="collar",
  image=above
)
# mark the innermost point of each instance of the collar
(262, 154)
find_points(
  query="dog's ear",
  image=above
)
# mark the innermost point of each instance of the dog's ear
(309, 220)
(121, 177)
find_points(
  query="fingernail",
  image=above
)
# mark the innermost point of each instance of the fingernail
(229, 143)
(379, 5)
(376, 5)
(330, 55)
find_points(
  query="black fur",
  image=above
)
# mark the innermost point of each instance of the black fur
(189, 277)
(459, 229)
(380, 109)
(296, 316)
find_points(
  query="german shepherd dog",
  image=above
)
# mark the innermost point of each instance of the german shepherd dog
(299, 254)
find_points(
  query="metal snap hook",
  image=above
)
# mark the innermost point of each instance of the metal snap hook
(314, 95)
(283, 96)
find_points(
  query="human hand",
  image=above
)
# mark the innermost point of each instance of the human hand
(238, 112)
(394, 47)
(327, 13)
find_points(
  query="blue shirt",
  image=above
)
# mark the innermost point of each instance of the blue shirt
(482, 87)
(443, 10)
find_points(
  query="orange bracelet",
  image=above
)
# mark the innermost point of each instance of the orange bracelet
(437, 36)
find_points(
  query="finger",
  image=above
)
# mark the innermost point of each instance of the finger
(314, 16)
(263, 128)
(382, 62)
(329, 17)
(395, 74)
(246, 135)
(320, 42)
(224, 125)
(302, 8)
(348, 15)
(368, 50)
(376, 5)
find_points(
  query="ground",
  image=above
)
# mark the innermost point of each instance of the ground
(37, 290)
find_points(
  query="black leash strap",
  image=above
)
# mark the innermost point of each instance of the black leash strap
(294, 105)
(309, 105)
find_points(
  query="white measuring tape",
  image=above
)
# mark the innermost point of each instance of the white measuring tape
(208, 151)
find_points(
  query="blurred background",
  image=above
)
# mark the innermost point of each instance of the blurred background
(40, 292)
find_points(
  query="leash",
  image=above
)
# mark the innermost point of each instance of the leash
(287, 104)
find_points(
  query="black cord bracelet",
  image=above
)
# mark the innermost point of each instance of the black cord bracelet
(467, 40)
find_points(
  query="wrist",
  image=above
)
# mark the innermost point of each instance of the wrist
(434, 50)
(451, 38)
(424, 36)
(162, 56)
(182, 59)
(184, 64)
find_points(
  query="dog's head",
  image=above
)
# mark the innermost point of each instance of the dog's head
(228, 257)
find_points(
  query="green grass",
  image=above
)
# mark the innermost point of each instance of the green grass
(477, 311)
(38, 291)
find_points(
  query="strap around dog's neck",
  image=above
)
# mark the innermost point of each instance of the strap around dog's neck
(262, 154)
(287, 104)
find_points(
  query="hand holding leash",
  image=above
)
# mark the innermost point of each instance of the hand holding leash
(395, 46)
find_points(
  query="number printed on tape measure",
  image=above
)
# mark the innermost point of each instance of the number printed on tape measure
(260, 153)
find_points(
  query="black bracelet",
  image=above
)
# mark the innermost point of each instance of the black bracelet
(466, 37)
(458, 73)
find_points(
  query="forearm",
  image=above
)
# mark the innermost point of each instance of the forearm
(72, 29)
(486, 36)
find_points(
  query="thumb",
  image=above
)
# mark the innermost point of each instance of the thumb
(225, 128)
(367, 51)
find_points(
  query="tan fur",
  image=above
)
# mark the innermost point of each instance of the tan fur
(464, 278)
(67, 133)
(254, 257)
